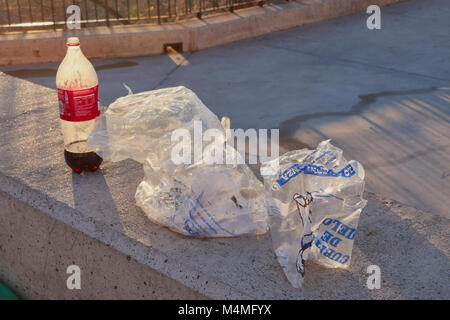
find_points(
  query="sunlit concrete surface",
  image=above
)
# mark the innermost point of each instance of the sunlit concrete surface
(51, 218)
(381, 95)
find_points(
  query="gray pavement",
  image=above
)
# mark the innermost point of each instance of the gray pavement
(383, 96)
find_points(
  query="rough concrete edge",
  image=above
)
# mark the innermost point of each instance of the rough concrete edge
(118, 241)
(35, 279)
(103, 42)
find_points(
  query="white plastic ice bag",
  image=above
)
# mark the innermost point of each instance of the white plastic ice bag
(314, 202)
(196, 199)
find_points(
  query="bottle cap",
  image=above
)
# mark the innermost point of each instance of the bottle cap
(73, 41)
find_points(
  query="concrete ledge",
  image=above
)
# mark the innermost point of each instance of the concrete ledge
(51, 218)
(127, 41)
(37, 249)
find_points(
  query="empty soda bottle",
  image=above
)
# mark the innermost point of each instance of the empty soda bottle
(77, 84)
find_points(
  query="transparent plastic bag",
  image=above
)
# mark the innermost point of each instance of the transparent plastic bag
(195, 199)
(314, 202)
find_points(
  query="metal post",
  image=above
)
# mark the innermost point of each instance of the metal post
(7, 10)
(137, 9)
(29, 10)
(199, 13)
(64, 8)
(86, 18)
(42, 11)
(169, 9)
(107, 12)
(158, 11)
(18, 9)
(53, 15)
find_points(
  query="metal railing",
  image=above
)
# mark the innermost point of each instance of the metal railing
(21, 15)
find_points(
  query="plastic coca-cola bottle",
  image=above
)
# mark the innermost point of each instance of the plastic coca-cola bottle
(77, 85)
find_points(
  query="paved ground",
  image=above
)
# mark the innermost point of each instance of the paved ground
(382, 95)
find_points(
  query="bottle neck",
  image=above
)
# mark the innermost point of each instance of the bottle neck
(74, 51)
(73, 48)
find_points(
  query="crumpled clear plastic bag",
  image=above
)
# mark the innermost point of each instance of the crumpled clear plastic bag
(198, 199)
(314, 202)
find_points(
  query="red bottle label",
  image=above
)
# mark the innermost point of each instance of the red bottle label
(78, 105)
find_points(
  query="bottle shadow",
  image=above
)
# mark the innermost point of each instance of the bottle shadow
(92, 196)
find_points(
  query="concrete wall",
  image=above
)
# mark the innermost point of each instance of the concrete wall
(127, 41)
(35, 251)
